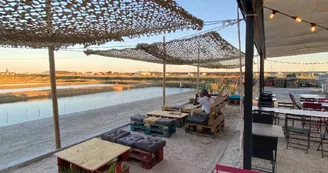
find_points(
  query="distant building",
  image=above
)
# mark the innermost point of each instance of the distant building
(89, 73)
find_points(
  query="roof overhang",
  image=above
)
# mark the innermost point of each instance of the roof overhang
(286, 37)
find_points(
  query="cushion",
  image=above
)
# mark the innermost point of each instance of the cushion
(150, 144)
(234, 97)
(130, 140)
(166, 122)
(151, 120)
(138, 118)
(113, 136)
(197, 119)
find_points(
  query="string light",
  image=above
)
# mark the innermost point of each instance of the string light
(296, 18)
(313, 27)
(273, 14)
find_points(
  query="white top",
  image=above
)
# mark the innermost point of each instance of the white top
(318, 114)
(267, 130)
(206, 103)
(315, 96)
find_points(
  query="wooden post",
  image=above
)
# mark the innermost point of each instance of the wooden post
(52, 70)
(198, 70)
(164, 70)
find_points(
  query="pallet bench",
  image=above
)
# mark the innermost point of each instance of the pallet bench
(205, 130)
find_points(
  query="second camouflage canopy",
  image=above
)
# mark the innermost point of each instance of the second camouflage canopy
(208, 50)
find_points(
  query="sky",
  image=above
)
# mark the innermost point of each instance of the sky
(73, 59)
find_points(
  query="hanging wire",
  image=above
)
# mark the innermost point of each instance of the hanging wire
(235, 21)
(296, 18)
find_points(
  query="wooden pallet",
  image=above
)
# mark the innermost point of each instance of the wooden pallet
(234, 102)
(153, 129)
(179, 122)
(206, 130)
(145, 159)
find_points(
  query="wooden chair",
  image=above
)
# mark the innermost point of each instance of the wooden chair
(312, 106)
(307, 99)
(296, 105)
(316, 122)
(323, 100)
(298, 131)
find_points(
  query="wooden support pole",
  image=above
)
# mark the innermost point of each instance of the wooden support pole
(52, 70)
(261, 74)
(240, 92)
(198, 70)
(164, 70)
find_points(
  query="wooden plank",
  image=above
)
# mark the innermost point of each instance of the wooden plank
(92, 154)
(166, 114)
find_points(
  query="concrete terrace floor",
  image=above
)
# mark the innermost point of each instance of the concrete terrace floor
(183, 152)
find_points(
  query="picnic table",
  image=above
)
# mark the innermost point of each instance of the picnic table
(185, 108)
(91, 156)
(317, 114)
(179, 117)
(307, 96)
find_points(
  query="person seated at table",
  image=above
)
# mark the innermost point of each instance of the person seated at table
(203, 98)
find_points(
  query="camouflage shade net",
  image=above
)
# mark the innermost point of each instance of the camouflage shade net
(209, 50)
(210, 46)
(43, 23)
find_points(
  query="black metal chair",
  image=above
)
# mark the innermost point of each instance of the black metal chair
(298, 132)
(264, 117)
(265, 148)
(324, 140)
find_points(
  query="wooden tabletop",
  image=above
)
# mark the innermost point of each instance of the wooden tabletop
(318, 114)
(310, 96)
(92, 154)
(267, 130)
(265, 109)
(167, 114)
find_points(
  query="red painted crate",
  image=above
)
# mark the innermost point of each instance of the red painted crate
(147, 160)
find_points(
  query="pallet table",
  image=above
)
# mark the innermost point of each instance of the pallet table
(153, 129)
(179, 118)
(185, 108)
(92, 156)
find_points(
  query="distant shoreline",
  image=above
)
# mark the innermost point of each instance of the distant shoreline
(46, 94)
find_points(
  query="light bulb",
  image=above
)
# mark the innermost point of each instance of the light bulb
(273, 14)
(313, 27)
(297, 19)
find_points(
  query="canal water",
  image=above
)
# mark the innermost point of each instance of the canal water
(13, 113)
(48, 88)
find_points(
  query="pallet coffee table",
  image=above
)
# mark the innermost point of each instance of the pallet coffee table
(179, 118)
(91, 156)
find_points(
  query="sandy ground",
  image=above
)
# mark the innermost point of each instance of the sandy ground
(183, 153)
(27, 140)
